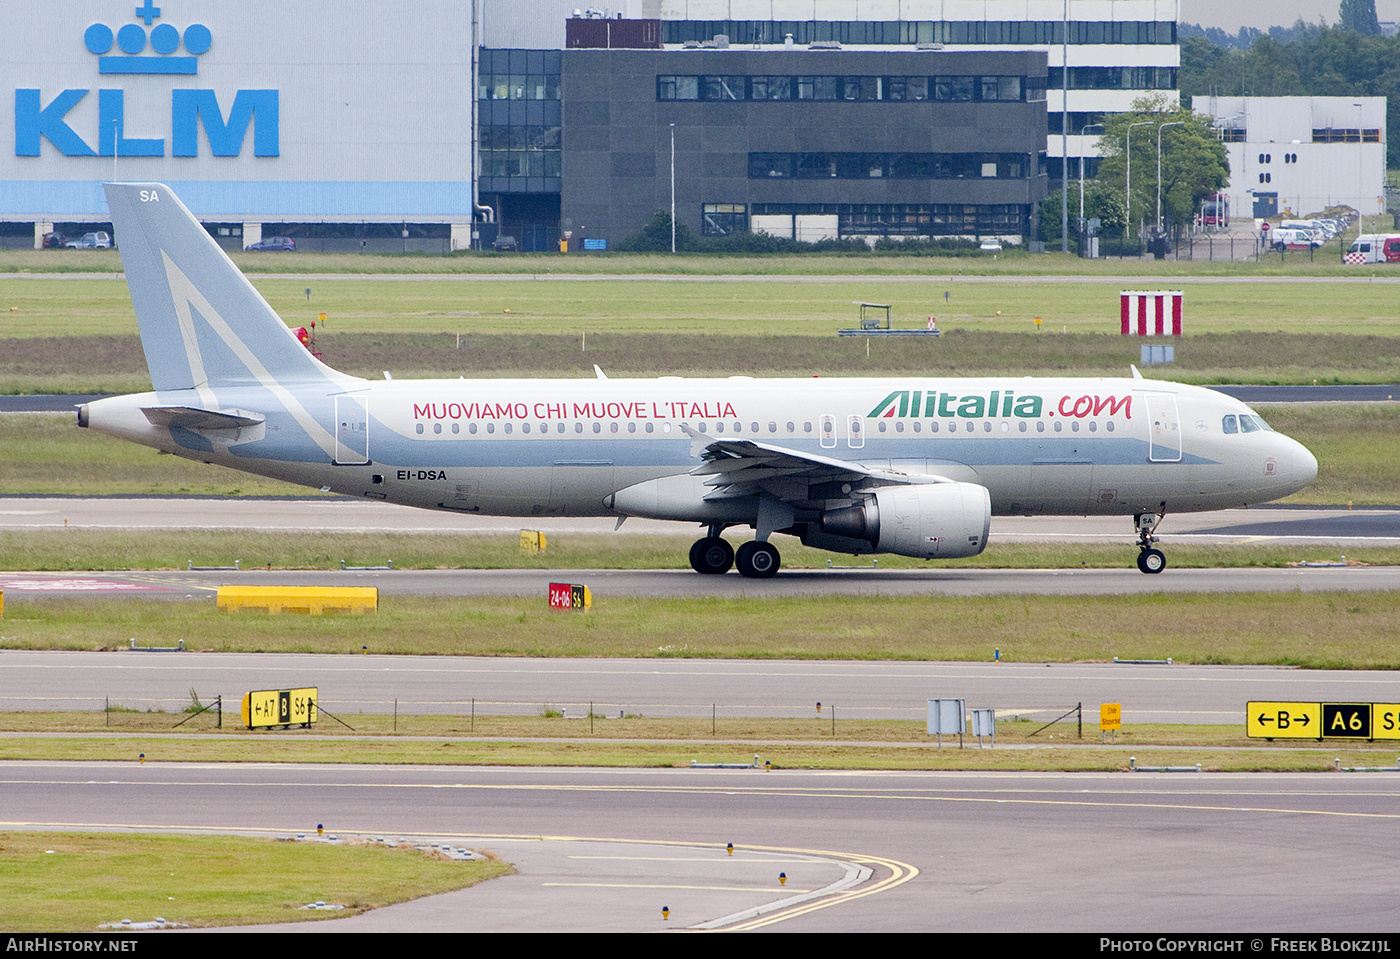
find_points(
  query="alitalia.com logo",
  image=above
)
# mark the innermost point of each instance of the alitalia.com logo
(935, 403)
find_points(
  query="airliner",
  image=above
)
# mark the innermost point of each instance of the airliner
(914, 465)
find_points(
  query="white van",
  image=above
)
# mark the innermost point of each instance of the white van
(1374, 248)
(1284, 239)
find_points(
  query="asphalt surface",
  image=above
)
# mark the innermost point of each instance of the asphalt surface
(1374, 526)
(605, 850)
(722, 690)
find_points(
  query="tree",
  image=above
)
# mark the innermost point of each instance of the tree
(1102, 201)
(1194, 164)
(1359, 15)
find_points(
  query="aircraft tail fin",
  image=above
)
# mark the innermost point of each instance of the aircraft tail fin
(203, 325)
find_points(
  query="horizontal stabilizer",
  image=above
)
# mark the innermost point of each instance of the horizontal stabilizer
(193, 418)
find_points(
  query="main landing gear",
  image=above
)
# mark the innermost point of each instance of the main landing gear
(714, 555)
(1150, 559)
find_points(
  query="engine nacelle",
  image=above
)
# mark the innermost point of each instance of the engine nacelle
(936, 520)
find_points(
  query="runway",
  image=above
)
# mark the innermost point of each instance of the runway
(697, 689)
(1373, 526)
(604, 850)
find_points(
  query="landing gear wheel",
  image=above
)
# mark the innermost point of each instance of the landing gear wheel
(1152, 561)
(711, 555)
(757, 560)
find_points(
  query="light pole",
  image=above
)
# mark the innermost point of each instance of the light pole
(1360, 176)
(1177, 123)
(1083, 132)
(673, 188)
(1064, 131)
(1128, 185)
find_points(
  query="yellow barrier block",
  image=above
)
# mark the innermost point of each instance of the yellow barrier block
(314, 600)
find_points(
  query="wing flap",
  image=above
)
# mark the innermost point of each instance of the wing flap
(735, 468)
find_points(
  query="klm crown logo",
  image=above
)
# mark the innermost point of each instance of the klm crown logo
(191, 110)
(131, 40)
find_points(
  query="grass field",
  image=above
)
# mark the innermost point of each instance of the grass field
(77, 333)
(75, 882)
(639, 742)
(797, 306)
(1348, 631)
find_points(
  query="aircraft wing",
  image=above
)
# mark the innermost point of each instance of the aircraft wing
(745, 467)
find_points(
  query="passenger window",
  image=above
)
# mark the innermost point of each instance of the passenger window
(437, 427)
(508, 427)
(578, 427)
(631, 427)
(490, 427)
(651, 427)
(524, 427)
(419, 429)
(1040, 426)
(612, 427)
(1229, 424)
(471, 428)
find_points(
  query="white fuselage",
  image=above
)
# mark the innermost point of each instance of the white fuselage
(575, 447)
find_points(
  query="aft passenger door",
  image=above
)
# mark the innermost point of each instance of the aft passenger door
(351, 430)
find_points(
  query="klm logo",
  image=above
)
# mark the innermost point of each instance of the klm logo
(172, 53)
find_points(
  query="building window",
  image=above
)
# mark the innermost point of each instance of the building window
(898, 166)
(722, 219)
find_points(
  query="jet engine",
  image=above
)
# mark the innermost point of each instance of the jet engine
(937, 520)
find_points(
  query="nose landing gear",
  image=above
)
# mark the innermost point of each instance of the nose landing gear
(1150, 560)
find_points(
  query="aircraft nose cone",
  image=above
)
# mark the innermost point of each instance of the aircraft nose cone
(1304, 464)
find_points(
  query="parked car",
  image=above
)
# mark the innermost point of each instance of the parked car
(273, 243)
(92, 241)
(55, 241)
(504, 243)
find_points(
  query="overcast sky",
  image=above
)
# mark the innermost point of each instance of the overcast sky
(1263, 14)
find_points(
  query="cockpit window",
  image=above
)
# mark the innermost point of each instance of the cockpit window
(1229, 424)
(1249, 424)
